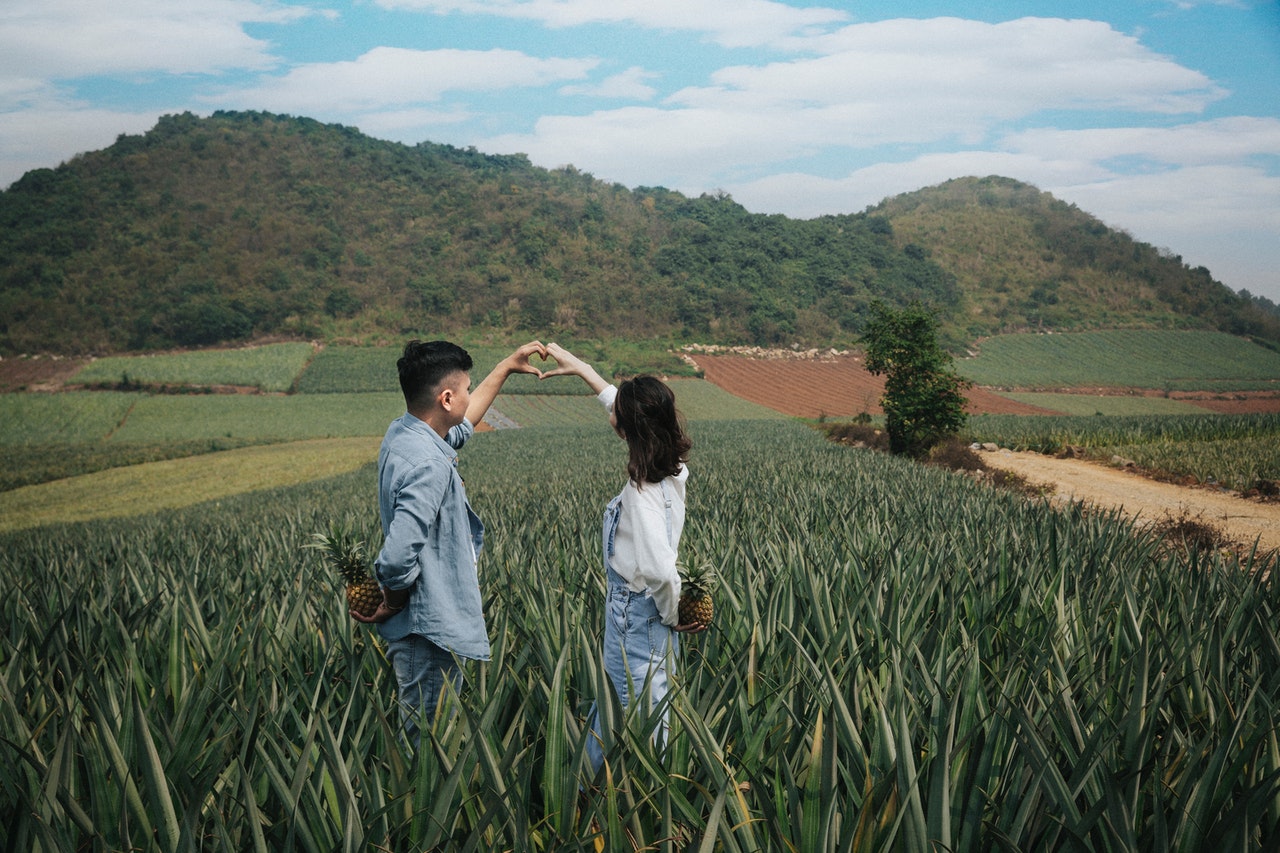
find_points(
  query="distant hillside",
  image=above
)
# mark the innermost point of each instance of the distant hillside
(1025, 260)
(251, 225)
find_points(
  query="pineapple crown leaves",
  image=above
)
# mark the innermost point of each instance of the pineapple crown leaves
(343, 551)
(699, 577)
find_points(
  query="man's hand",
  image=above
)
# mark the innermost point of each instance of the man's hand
(382, 614)
(393, 601)
(482, 395)
(518, 361)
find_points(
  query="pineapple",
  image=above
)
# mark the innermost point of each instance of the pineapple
(346, 555)
(696, 585)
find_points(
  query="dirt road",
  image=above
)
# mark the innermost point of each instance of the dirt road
(1142, 499)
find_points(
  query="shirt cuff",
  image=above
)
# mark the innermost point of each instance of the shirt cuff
(403, 580)
(458, 435)
(607, 396)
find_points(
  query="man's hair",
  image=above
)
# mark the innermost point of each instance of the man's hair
(645, 411)
(425, 365)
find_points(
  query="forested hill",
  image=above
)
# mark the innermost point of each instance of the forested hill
(248, 225)
(1022, 258)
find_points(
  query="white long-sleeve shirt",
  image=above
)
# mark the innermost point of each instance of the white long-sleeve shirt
(643, 555)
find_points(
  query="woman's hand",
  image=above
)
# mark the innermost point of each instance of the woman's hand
(568, 364)
(691, 628)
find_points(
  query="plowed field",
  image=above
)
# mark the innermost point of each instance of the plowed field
(1235, 404)
(837, 386)
(41, 373)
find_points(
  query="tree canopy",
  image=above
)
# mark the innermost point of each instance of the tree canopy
(923, 397)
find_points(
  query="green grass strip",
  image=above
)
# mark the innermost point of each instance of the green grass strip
(67, 418)
(182, 482)
(273, 367)
(1136, 358)
(270, 417)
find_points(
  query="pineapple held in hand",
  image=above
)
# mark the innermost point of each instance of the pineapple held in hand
(346, 555)
(696, 585)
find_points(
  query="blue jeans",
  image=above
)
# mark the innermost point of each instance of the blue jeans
(638, 651)
(421, 668)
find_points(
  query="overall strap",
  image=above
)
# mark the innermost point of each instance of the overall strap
(666, 500)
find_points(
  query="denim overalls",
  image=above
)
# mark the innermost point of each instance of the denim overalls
(638, 648)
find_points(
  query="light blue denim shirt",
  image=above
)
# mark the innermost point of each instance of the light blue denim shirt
(432, 538)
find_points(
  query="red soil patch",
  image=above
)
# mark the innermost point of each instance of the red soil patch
(836, 386)
(37, 373)
(1222, 402)
(1243, 403)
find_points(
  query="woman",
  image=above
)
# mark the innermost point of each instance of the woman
(640, 539)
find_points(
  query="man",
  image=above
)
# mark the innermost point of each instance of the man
(430, 610)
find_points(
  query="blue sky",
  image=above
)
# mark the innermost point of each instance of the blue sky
(1161, 117)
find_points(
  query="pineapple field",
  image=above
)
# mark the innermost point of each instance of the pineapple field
(900, 659)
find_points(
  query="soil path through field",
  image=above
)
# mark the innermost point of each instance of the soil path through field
(1142, 499)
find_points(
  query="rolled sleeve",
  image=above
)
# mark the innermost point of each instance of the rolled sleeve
(458, 435)
(607, 396)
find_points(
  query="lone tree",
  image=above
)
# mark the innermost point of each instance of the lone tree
(923, 396)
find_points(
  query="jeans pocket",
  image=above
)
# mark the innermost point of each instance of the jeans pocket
(615, 610)
(659, 638)
(403, 654)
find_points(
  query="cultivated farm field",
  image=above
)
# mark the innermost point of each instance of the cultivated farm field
(1117, 372)
(902, 658)
(1186, 435)
(1154, 359)
(823, 387)
(1238, 452)
(272, 367)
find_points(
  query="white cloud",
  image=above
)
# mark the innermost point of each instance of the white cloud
(43, 138)
(1218, 198)
(395, 77)
(731, 23)
(63, 39)
(971, 68)
(805, 196)
(898, 82)
(1191, 4)
(25, 92)
(635, 144)
(409, 125)
(1221, 140)
(629, 85)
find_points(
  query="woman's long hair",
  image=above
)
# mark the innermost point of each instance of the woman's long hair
(645, 411)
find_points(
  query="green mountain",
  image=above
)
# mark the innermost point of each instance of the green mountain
(251, 225)
(1025, 260)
